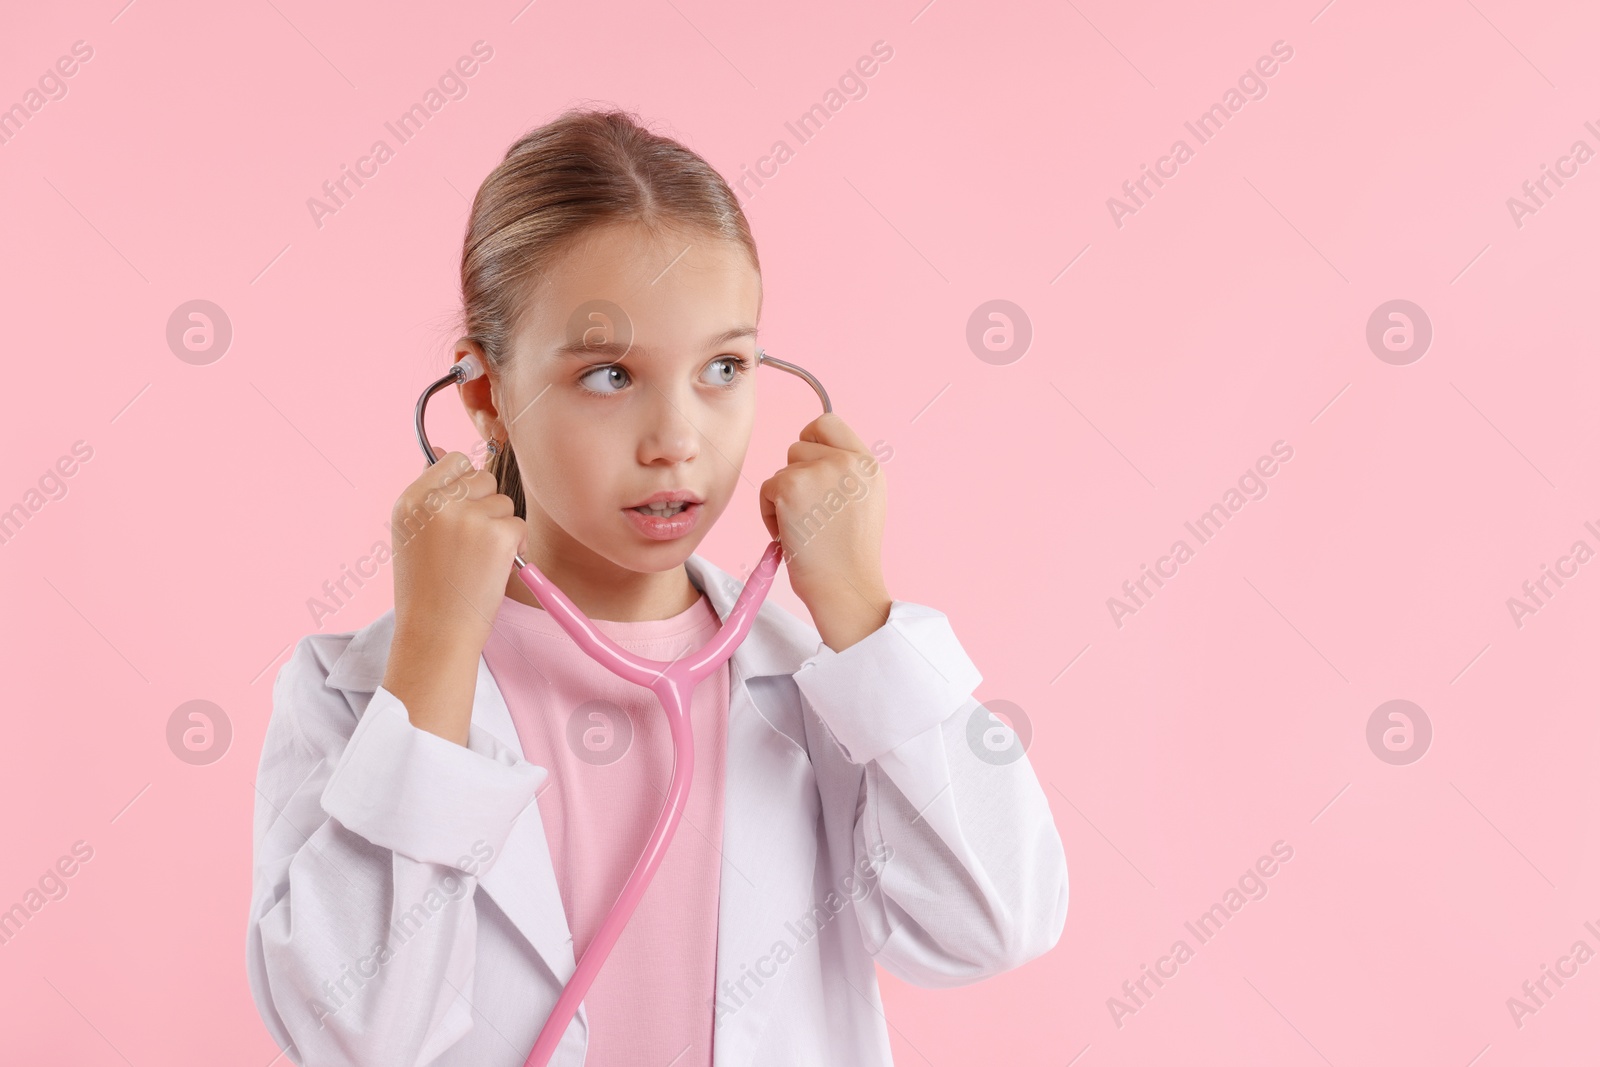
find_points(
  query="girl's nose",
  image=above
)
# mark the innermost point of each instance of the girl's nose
(669, 432)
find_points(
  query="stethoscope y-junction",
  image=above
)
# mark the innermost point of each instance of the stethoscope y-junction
(673, 684)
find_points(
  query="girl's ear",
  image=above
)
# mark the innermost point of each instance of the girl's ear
(478, 395)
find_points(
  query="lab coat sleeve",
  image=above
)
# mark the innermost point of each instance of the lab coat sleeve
(972, 874)
(370, 838)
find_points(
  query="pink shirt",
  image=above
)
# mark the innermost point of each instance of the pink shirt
(606, 744)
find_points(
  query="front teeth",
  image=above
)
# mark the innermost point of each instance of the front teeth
(664, 511)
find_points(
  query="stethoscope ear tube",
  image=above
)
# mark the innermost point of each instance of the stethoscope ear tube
(469, 367)
(452, 378)
(781, 364)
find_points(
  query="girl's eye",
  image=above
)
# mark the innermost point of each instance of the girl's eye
(608, 370)
(725, 370)
(734, 366)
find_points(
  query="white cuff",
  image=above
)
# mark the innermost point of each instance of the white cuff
(904, 678)
(416, 793)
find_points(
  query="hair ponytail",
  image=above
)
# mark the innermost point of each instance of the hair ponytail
(507, 478)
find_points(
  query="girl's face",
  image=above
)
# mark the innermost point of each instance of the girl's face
(633, 372)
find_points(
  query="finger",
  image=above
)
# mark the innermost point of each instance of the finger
(472, 485)
(769, 507)
(498, 506)
(480, 484)
(829, 429)
(450, 465)
(809, 451)
(517, 530)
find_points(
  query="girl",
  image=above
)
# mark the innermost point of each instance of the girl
(450, 798)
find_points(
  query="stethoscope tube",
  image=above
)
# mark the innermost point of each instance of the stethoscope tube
(673, 684)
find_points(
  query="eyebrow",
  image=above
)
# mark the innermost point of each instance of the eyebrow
(615, 349)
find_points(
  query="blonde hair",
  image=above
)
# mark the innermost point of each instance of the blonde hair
(583, 169)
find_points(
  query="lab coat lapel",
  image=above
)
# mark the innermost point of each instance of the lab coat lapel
(769, 852)
(522, 881)
(770, 812)
(769, 839)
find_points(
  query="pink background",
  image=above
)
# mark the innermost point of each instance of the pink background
(1228, 313)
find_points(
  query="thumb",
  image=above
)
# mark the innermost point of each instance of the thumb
(769, 510)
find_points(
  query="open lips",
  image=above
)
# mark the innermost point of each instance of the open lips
(666, 515)
(666, 503)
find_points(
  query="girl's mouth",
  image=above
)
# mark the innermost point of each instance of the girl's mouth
(664, 522)
(660, 510)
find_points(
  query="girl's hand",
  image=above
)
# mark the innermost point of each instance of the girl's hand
(827, 507)
(455, 537)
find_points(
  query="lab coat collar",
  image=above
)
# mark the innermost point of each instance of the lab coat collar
(770, 814)
(777, 644)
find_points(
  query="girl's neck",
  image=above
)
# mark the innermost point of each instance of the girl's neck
(610, 593)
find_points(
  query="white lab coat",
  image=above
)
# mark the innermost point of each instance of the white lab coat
(404, 910)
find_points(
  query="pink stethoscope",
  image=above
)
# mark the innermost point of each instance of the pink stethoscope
(673, 684)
